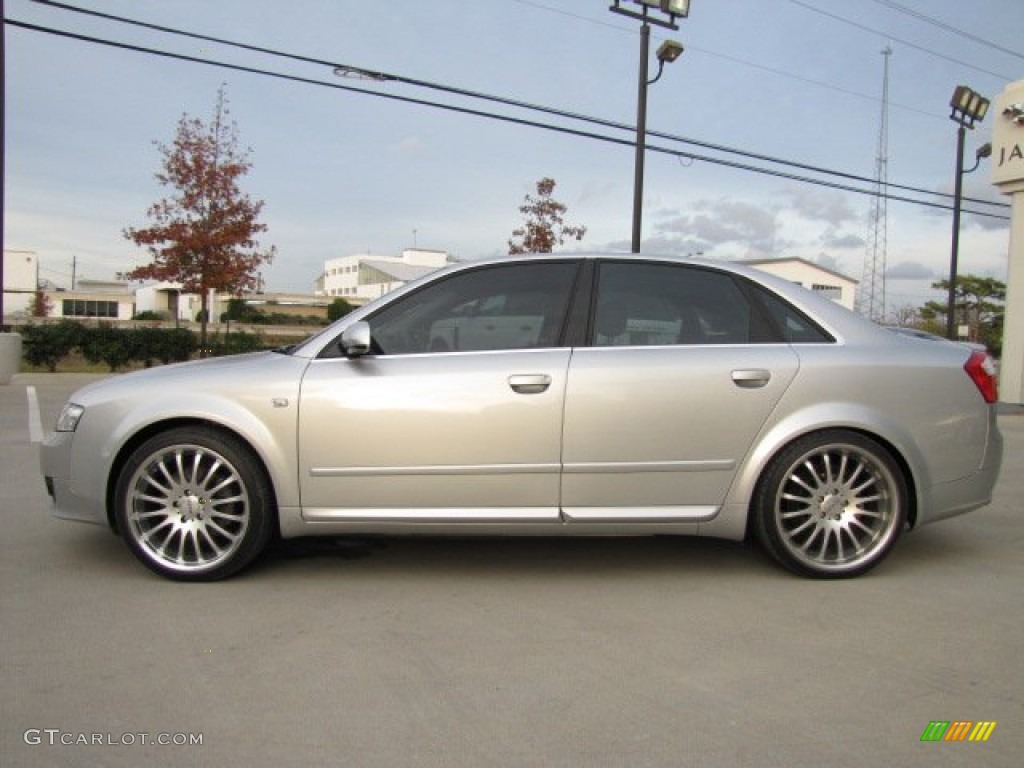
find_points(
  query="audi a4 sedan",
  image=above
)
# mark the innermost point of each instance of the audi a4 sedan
(544, 395)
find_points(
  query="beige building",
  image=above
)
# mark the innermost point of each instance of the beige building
(94, 299)
(830, 284)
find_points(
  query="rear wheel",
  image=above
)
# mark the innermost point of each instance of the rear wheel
(194, 504)
(831, 505)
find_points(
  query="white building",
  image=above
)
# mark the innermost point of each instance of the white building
(97, 299)
(166, 299)
(830, 284)
(21, 270)
(363, 277)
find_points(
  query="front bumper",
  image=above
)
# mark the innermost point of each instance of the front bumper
(55, 461)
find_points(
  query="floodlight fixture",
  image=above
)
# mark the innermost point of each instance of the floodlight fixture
(679, 8)
(669, 51)
(648, 10)
(968, 106)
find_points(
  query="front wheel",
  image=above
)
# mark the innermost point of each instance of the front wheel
(831, 505)
(194, 504)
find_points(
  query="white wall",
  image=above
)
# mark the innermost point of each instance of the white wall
(20, 270)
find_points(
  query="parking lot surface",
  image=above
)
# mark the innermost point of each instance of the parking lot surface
(501, 652)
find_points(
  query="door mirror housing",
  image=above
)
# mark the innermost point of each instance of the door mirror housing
(356, 340)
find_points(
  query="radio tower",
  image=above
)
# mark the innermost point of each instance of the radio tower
(871, 301)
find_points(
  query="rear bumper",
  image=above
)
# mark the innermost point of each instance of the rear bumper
(971, 492)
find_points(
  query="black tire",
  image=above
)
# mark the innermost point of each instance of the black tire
(831, 505)
(194, 504)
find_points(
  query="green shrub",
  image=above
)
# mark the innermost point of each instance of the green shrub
(338, 309)
(236, 343)
(104, 344)
(46, 345)
(150, 315)
(176, 345)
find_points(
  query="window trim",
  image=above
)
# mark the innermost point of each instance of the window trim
(332, 349)
(737, 281)
(751, 290)
(758, 292)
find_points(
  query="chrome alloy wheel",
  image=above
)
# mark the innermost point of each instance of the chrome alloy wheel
(833, 505)
(187, 508)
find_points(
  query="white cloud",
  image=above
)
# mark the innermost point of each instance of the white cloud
(910, 270)
(411, 146)
(819, 205)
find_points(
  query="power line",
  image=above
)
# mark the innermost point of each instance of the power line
(947, 27)
(736, 60)
(385, 76)
(521, 121)
(907, 43)
(375, 75)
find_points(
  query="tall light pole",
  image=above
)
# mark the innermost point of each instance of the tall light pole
(668, 52)
(968, 107)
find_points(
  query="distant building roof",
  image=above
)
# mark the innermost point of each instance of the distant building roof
(399, 271)
(90, 285)
(797, 259)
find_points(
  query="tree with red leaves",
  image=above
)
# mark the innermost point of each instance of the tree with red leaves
(203, 236)
(41, 305)
(545, 226)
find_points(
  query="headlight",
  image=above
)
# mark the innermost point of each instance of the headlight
(69, 416)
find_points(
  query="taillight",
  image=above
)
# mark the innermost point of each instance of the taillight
(982, 370)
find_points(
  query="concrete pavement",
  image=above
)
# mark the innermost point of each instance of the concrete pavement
(501, 652)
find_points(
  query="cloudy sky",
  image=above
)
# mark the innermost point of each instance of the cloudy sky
(342, 170)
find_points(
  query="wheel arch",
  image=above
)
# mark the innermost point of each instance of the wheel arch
(870, 423)
(892, 449)
(155, 428)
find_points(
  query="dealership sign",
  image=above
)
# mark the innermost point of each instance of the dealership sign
(1008, 138)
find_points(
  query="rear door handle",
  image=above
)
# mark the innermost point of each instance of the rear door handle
(529, 383)
(751, 378)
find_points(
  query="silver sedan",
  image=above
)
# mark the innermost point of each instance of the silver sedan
(544, 395)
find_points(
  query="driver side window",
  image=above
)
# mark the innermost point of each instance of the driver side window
(519, 306)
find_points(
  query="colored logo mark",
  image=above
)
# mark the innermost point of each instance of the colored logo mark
(958, 730)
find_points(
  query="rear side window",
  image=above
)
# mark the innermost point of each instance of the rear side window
(795, 327)
(642, 304)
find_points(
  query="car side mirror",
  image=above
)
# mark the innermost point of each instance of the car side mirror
(356, 339)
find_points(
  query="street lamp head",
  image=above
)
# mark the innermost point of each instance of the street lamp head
(673, 9)
(968, 106)
(669, 51)
(679, 8)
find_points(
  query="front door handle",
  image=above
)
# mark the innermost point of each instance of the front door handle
(751, 378)
(529, 383)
